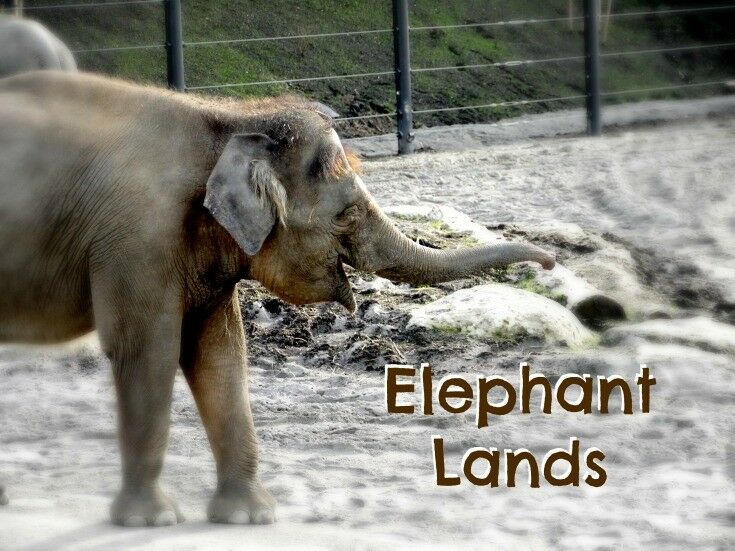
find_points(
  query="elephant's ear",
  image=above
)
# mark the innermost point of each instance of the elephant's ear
(243, 193)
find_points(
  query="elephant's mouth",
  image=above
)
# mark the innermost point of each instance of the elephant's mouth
(343, 289)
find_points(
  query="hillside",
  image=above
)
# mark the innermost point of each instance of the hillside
(84, 28)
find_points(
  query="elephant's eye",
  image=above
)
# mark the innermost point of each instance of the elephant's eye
(352, 210)
(346, 219)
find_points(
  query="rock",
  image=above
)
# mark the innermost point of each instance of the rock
(257, 313)
(380, 285)
(503, 312)
(614, 273)
(600, 278)
(293, 369)
(455, 220)
(372, 311)
(701, 332)
(588, 303)
(566, 235)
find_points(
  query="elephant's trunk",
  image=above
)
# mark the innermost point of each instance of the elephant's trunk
(387, 252)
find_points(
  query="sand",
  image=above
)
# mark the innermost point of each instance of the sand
(347, 475)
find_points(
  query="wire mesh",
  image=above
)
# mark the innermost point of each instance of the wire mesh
(423, 70)
(85, 5)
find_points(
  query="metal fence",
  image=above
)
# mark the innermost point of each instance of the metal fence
(402, 72)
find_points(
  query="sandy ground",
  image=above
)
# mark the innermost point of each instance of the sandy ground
(571, 122)
(668, 188)
(348, 476)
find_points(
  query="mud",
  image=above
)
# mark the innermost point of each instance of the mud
(678, 281)
(327, 337)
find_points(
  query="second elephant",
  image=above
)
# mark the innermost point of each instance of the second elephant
(27, 45)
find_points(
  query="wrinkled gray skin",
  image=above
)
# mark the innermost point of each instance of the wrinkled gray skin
(28, 46)
(135, 211)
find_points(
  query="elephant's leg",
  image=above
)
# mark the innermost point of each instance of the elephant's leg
(141, 332)
(3, 497)
(215, 364)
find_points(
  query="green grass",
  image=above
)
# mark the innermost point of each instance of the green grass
(528, 282)
(500, 335)
(221, 20)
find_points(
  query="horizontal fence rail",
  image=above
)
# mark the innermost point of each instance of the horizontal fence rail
(291, 80)
(286, 37)
(664, 88)
(516, 22)
(401, 31)
(84, 5)
(519, 62)
(498, 104)
(673, 11)
(364, 117)
(119, 48)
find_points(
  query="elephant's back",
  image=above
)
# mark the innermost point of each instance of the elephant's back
(27, 46)
(99, 154)
(51, 121)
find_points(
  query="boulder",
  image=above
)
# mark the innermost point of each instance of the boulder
(452, 218)
(584, 299)
(503, 312)
(602, 280)
(588, 303)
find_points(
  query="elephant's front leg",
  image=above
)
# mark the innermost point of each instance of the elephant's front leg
(215, 364)
(141, 333)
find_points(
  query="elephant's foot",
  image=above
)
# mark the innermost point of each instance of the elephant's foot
(144, 507)
(248, 505)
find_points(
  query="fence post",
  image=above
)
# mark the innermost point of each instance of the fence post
(11, 6)
(592, 65)
(402, 67)
(174, 45)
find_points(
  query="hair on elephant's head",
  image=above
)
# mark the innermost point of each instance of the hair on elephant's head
(292, 198)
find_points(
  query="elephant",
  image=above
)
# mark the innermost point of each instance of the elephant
(134, 212)
(27, 45)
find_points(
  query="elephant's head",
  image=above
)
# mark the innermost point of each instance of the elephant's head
(294, 202)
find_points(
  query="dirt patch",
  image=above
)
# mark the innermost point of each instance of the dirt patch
(326, 336)
(688, 287)
(682, 283)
